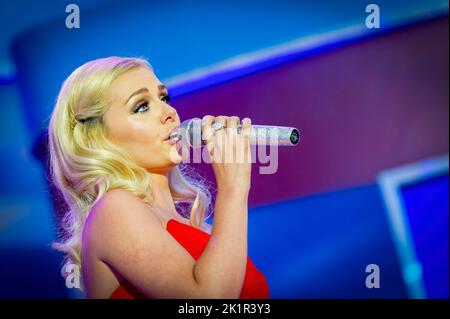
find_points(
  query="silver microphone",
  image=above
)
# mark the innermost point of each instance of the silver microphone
(190, 134)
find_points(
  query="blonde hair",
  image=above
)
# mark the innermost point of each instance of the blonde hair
(84, 164)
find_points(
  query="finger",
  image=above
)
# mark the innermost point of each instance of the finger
(207, 131)
(233, 121)
(232, 126)
(246, 127)
(245, 133)
(231, 138)
(221, 120)
(207, 120)
(220, 139)
(210, 148)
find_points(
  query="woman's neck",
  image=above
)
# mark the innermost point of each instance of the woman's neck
(162, 197)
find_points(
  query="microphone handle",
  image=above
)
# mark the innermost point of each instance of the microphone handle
(259, 134)
(274, 135)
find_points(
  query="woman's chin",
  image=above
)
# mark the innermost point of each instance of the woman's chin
(176, 161)
(175, 154)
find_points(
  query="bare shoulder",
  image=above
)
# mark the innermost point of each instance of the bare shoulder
(130, 238)
(117, 209)
(116, 205)
(117, 197)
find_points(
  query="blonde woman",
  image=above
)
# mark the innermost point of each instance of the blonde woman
(112, 161)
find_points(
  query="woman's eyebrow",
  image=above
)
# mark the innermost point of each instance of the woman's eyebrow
(161, 87)
(141, 90)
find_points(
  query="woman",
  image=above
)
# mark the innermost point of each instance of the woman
(111, 159)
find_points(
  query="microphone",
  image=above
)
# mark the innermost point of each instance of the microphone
(190, 134)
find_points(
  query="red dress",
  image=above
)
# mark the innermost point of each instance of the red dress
(194, 241)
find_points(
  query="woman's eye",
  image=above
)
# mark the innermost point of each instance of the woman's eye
(141, 108)
(166, 99)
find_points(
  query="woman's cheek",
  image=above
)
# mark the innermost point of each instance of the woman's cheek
(142, 132)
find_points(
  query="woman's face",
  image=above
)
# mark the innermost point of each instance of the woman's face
(139, 120)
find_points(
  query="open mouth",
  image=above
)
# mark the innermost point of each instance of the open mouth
(174, 136)
(174, 140)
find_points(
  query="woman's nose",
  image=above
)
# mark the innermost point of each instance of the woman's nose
(169, 114)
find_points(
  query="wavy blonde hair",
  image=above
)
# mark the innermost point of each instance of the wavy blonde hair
(84, 164)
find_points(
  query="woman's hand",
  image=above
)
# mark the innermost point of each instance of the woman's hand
(229, 151)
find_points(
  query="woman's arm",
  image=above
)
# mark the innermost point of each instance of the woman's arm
(221, 267)
(121, 233)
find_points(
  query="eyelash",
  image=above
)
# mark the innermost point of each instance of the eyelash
(140, 105)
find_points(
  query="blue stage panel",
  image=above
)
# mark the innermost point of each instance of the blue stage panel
(319, 246)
